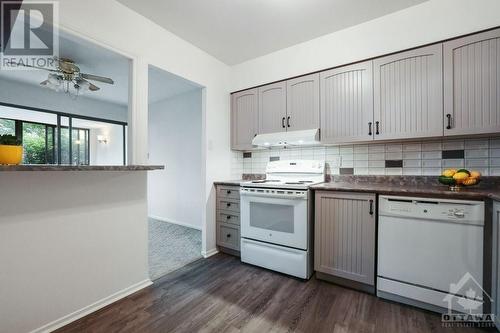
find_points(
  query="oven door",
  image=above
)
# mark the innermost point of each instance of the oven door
(275, 216)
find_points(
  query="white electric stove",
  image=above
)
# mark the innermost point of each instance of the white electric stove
(275, 217)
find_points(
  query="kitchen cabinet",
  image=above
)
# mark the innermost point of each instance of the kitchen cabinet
(228, 219)
(272, 108)
(347, 104)
(302, 107)
(408, 94)
(472, 84)
(496, 262)
(244, 118)
(344, 236)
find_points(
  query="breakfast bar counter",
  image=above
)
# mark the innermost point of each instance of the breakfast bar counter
(55, 167)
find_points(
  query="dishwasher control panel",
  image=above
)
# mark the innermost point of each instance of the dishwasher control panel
(470, 212)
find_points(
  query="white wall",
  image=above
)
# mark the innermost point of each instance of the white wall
(29, 95)
(111, 152)
(72, 239)
(148, 43)
(175, 141)
(428, 22)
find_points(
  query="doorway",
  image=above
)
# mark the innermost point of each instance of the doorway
(174, 194)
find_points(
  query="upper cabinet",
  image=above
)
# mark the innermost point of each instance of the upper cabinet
(302, 107)
(472, 84)
(272, 108)
(244, 118)
(408, 94)
(347, 104)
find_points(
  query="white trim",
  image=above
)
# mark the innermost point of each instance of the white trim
(209, 253)
(58, 323)
(184, 224)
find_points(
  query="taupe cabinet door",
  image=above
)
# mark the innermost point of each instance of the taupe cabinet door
(408, 94)
(244, 118)
(344, 235)
(272, 108)
(347, 104)
(472, 84)
(302, 105)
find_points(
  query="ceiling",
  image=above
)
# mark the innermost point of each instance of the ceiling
(238, 30)
(163, 85)
(91, 59)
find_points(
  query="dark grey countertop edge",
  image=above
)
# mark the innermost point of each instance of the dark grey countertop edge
(229, 182)
(10, 168)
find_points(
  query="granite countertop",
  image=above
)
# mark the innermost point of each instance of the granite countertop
(52, 167)
(416, 186)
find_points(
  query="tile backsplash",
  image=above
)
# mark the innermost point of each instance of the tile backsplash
(426, 158)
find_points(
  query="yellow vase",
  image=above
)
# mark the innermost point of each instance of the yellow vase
(11, 154)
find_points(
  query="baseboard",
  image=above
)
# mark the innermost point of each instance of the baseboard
(209, 253)
(58, 323)
(162, 219)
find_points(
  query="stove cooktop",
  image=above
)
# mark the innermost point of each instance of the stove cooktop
(301, 184)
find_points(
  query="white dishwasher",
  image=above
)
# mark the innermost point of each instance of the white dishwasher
(426, 245)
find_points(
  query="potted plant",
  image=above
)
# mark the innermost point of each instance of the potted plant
(11, 150)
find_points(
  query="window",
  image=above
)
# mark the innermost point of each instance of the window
(54, 138)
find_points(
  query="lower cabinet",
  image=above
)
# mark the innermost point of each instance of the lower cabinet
(496, 263)
(344, 238)
(228, 219)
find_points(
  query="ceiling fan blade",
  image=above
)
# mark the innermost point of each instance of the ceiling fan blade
(44, 83)
(97, 78)
(93, 87)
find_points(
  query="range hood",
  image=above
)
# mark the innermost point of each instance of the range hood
(291, 138)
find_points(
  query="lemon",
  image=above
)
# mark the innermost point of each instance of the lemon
(449, 173)
(460, 177)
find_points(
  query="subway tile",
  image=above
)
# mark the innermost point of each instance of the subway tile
(394, 171)
(427, 155)
(361, 171)
(494, 172)
(431, 163)
(393, 147)
(453, 144)
(346, 171)
(376, 171)
(483, 171)
(360, 157)
(380, 156)
(361, 149)
(335, 171)
(453, 163)
(431, 171)
(495, 142)
(360, 163)
(376, 148)
(346, 150)
(412, 171)
(346, 163)
(476, 153)
(474, 163)
(394, 156)
(247, 155)
(453, 154)
(431, 146)
(412, 163)
(412, 155)
(332, 150)
(495, 152)
(274, 158)
(393, 163)
(376, 164)
(494, 161)
(334, 161)
(476, 143)
(407, 147)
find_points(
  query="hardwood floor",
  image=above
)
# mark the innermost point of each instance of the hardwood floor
(220, 294)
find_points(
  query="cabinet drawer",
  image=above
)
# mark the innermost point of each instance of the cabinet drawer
(228, 192)
(228, 217)
(228, 205)
(228, 236)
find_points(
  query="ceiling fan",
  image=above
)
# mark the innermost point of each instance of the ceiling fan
(67, 76)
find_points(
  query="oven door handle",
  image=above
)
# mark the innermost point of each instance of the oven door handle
(302, 196)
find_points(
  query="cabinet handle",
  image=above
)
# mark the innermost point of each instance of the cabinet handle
(228, 217)
(228, 236)
(228, 205)
(371, 207)
(228, 191)
(288, 121)
(283, 122)
(449, 121)
(370, 128)
(377, 123)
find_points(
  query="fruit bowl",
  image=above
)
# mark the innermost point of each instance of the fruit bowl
(456, 179)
